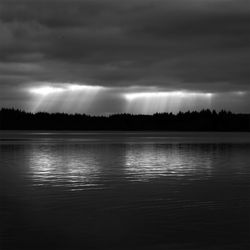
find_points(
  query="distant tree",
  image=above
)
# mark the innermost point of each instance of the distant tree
(205, 120)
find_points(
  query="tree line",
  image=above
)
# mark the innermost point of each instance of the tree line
(204, 120)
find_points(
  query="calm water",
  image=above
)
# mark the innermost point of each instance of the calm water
(124, 190)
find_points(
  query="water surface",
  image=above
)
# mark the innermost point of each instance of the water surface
(124, 190)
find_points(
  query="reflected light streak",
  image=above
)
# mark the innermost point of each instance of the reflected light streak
(152, 161)
(55, 167)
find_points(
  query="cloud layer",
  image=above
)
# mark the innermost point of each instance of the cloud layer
(193, 45)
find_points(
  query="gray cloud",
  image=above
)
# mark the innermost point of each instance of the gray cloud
(171, 44)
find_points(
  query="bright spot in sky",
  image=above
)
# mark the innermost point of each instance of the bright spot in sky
(63, 97)
(174, 94)
(240, 93)
(47, 90)
(172, 101)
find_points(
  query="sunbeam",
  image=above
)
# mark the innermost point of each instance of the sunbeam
(46, 90)
(173, 101)
(63, 97)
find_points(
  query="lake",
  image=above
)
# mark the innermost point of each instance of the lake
(120, 190)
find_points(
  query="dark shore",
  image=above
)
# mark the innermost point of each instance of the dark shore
(205, 120)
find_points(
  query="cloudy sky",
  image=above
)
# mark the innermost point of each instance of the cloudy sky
(112, 56)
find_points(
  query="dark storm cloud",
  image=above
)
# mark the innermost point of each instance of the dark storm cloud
(201, 45)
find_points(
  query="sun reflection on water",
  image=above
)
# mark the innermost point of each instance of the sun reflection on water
(65, 167)
(76, 167)
(152, 161)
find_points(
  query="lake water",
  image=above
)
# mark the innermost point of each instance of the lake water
(124, 190)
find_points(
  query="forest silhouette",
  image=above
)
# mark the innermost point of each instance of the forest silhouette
(204, 120)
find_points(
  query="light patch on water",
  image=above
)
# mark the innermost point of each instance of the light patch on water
(149, 162)
(73, 170)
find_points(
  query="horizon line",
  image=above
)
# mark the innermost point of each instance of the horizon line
(124, 113)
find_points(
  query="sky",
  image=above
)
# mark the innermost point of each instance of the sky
(116, 56)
